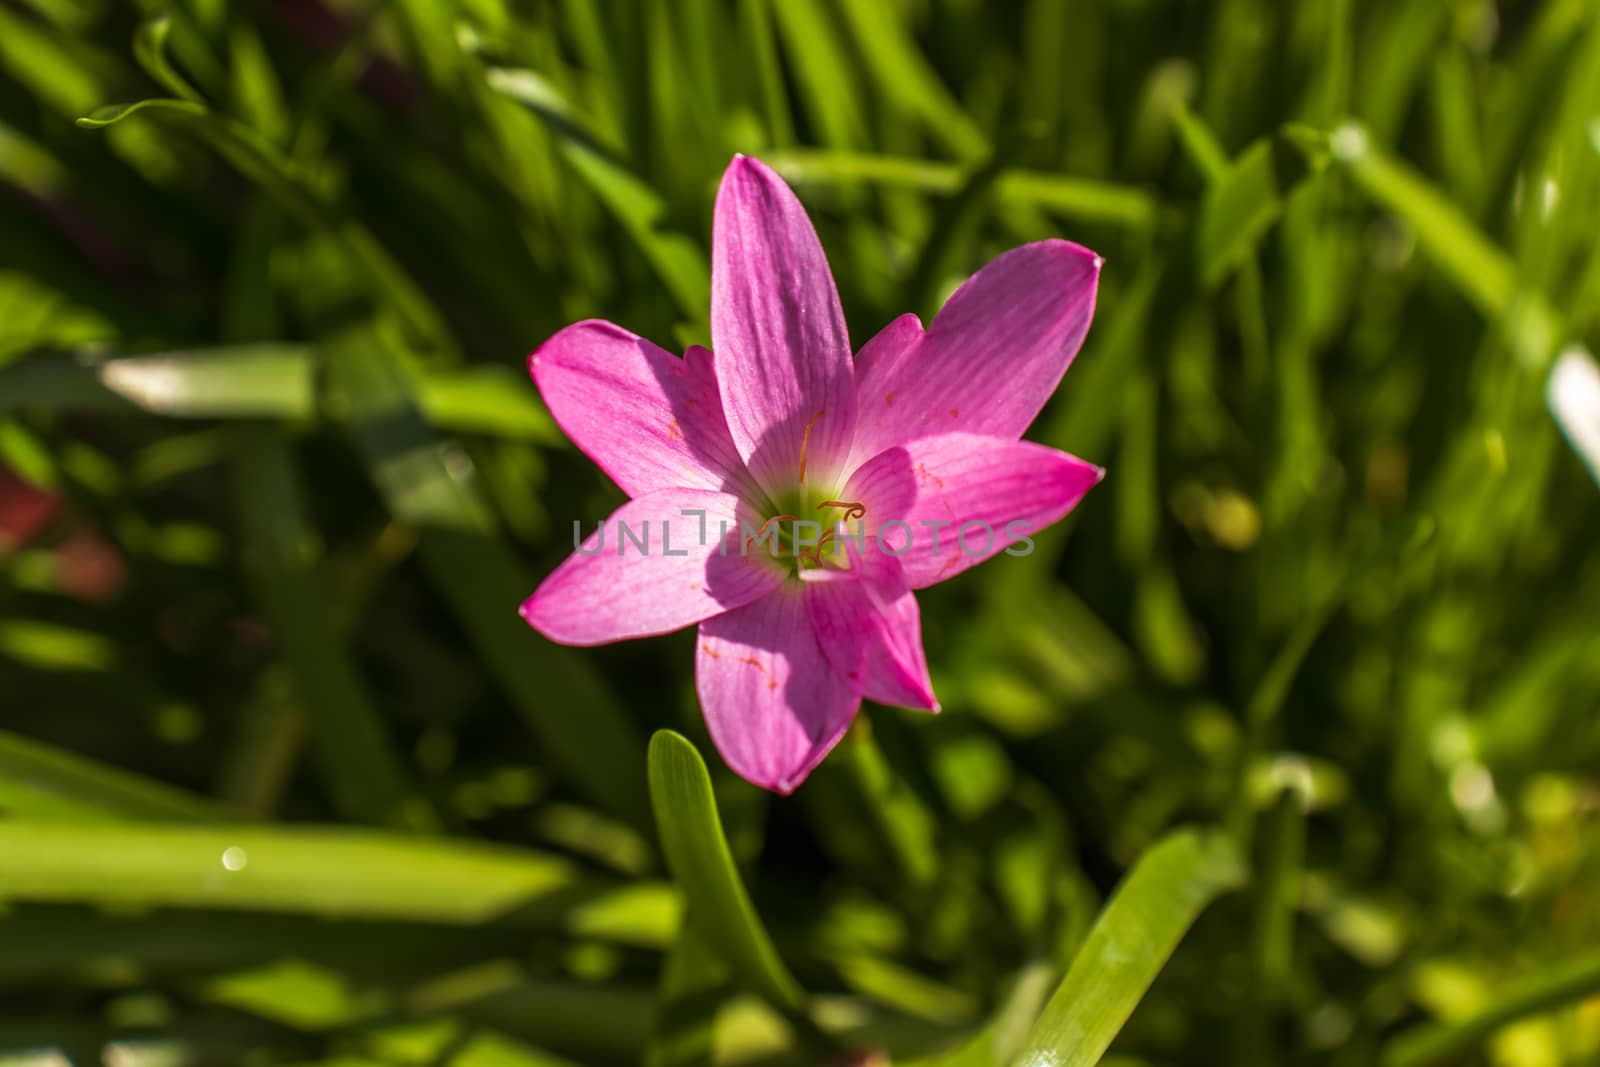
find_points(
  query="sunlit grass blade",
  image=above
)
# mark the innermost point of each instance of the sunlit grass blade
(51, 647)
(756, 23)
(1554, 986)
(260, 381)
(905, 990)
(1084, 418)
(1080, 199)
(254, 85)
(1085, 199)
(38, 781)
(325, 872)
(49, 67)
(904, 74)
(1005, 1031)
(1200, 142)
(1394, 55)
(826, 80)
(1458, 124)
(1483, 273)
(245, 381)
(150, 49)
(640, 210)
(697, 854)
(1241, 204)
(112, 114)
(27, 457)
(487, 400)
(1141, 925)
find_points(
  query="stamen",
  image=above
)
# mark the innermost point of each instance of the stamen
(760, 535)
(813, 555)
(805, 441)
(851, 510)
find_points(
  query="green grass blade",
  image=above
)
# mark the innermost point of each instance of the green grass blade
(1082, 199)
(756, 22)
(112, 114)
(1006, 1029)
(904, 75)
(1131, 940)
(333, 873)
(823, 75)
(1241, 204)
(38, 781)
(247, 381)
(1554, 986)
(1483, 272)
(698, 856)
(48, 646)
(679, 260)
(1485, 275)
(487, 400)
(150, 49)
(262, 381)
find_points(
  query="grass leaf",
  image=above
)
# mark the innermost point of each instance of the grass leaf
(1553, 985)
(323, 872)
(1142, 923)
(698, 856)
(38, 781)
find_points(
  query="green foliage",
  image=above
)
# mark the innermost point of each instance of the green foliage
(697, 855)
(1141, 925)
(1282, 750)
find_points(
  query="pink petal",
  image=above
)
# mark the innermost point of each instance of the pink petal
(773, 702)
(648, 419)
(887, 347)
(992, 357)
(999, 492)
(782, 352)
(868, 615)
(678, 578)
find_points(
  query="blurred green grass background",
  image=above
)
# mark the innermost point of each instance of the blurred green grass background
(283, 779)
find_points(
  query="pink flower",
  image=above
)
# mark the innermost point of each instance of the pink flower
(908, 458)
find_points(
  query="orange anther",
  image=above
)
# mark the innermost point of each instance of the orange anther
(851, 510)
(760, 535)
(805, 442)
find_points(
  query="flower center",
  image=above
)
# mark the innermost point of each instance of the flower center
(806, 531)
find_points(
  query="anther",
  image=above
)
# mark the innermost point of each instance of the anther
(851, 510)
(805, 442)
(760, 535)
